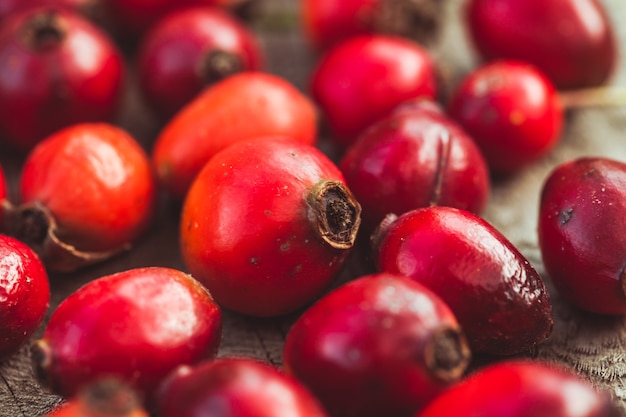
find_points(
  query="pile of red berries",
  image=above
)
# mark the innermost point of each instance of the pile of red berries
(268, 220)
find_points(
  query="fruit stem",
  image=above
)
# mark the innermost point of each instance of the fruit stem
(218, 64)
(335, 213)
(447, 354)
(604, 96)
(44, 30)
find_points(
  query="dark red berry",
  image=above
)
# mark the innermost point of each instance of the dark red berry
(416, 157)
(190, 49)
(137, 325)
(362, 79)
(521, 389)
(571, 41)
(56, 69)
(233, 386)
(496, 294)
(380, 345)
(511, 110)
(267, 224)
(581, 233)
(24, 294)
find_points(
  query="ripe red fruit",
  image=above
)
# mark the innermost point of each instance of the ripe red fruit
(267, 225)
(511, 110)
(328, 22)
(104, 398)
(571, 41)
(581, 233)
(243, 106)
(190, 49)
(382, 344)
(234, 386)
(362, 79)
(87, 192)
(24, 294)
(56, 69)
(497, 296)
(521, 389)
(416, 157)
(137, 326)
(134, 17)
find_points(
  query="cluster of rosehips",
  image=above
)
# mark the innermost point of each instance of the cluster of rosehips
(268, 220)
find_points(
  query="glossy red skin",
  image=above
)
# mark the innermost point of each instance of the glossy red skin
(245, 232)
(495, 293)
(137, 325)
(134, 17)
(360, 349)
(42, 91)
(9, 7)
(328, 22)
(416, 157)
(362, 79)
(571, 41)
(3, 194)
(243, 106)
(173, 52)
(521, 389)
(97, 182)
(233, 386)
(581, 224)
(24, 294)
(512, 111)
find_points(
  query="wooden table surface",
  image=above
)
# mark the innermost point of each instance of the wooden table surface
(595, 347)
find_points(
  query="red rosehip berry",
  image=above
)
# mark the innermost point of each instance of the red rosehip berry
(137, 326)
(233, 386)
(498, 297)
(362, 79)
(24, 294)
(511, 110)
(581, 233)
(189, 49)
(382, 344)
(328, 22)
(104, 398)
(416, 157)
(571, 41)
(132, 18)
(267, 224)
(521, 389)
(87, 192)
(56, 69)
(243, 106)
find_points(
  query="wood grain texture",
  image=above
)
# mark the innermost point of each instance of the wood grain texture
(593, 346)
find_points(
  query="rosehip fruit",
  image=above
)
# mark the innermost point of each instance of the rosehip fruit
(571, 41)
(243, 106)
(414, 158)
(234, 386)
(382, 344)
(135, 17)
(521, 389)
(497, 296)
(24, 294)
(362, 79)
(267, 224)
(56, 69)
(87, 192)
(137, 326)
(512, 111)
(103, 398)
(189, 49)
(581, 233)
(328, 22)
